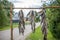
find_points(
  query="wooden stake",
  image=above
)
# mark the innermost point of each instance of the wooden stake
(11, 23)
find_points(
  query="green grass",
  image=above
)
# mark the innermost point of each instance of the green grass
(8, 27)
(39, 36)
(14, 25)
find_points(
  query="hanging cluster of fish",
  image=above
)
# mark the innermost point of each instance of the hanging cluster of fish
(21, 22)
(43, 23)
(31, 18)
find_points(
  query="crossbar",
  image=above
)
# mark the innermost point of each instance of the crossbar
(33, 8)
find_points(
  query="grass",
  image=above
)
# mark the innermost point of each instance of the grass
(39, 36)
(8, 27)
(14, 26)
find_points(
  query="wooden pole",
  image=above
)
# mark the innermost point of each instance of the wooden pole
(11, 22)
(34, 8)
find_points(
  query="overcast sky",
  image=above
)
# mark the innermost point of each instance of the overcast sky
(26, 4)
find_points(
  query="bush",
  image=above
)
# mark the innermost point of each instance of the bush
(53, 16)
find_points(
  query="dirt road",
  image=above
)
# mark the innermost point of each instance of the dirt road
(5, 35)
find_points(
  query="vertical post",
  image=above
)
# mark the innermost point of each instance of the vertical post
(11, 22)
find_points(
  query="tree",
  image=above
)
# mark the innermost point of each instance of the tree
(4, 13)
(53, 16)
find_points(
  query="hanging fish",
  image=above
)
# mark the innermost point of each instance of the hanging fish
(43, 22)
(31, 15)
(21, 22)
(44, 25)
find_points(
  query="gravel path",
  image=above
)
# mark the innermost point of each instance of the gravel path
(5, 35)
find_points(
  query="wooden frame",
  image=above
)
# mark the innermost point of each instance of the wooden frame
(24, 8)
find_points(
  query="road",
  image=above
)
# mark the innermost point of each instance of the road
(5, 35)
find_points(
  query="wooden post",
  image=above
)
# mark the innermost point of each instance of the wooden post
(11, 22)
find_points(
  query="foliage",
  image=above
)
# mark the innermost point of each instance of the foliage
(4, 13)
(8, 27)
(39, 36)
(53, 16)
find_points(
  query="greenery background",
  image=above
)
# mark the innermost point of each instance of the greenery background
(52, 17)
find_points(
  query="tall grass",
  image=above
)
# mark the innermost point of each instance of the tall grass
(39, 36)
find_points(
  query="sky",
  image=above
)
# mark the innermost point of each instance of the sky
(26, 4)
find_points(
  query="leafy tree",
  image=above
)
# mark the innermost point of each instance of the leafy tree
(53, 15)
(4, 13)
